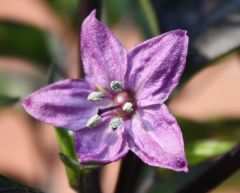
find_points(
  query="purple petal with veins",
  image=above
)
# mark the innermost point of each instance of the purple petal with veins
(63, 104)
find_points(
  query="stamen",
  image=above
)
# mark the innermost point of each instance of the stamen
(93, 121)
(116, 86)
(127, 107)
(116, 122)
(95, 96)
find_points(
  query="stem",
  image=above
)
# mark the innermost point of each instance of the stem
(90, 182)
(81, 184)
(131, 168)
(101, 111)
(215, 174)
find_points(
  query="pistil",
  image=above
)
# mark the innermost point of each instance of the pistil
(102, 111)
(127, 107)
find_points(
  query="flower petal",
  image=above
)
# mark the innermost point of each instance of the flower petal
(104, 58)
(157, 139)
(63, 104)
(100, 144)
(156, 65)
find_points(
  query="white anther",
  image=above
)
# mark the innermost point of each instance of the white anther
(95, 96)
(128, 107)
(116, 122)
(116, 85)
(93, 121)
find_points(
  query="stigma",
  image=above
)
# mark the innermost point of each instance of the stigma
(127, 107)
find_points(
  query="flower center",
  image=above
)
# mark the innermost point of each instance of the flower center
(123, 105)
(127, 103)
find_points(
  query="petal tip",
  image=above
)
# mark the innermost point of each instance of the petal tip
(26, 102)
(186, 170)
(181, 32)
(181, 165)
(90, 18)
(93, 13)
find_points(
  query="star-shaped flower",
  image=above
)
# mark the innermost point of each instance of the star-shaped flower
(120, 104)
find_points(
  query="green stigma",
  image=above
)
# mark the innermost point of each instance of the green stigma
(94, 121)
(116, 122)
(116, 85)
(127, 107)
(95, 96)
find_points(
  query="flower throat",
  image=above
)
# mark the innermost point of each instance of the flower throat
(123, 105)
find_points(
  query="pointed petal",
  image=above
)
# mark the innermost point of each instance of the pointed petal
(157, 139)
(63, 104)
(157, 64)
(100, 144)
(104, 58)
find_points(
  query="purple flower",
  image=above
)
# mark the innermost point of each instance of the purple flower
(120, 104)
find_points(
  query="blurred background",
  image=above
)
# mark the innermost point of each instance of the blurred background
(39, 43)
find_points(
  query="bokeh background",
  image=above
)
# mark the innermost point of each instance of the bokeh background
(38, 37)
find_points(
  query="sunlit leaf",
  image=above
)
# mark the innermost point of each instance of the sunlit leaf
(145, 16)
(150, 15)
(206, 149)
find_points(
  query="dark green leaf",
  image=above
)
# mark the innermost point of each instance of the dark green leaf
(8, 186)
(25, 42)
(221, 129)
(6, 100)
